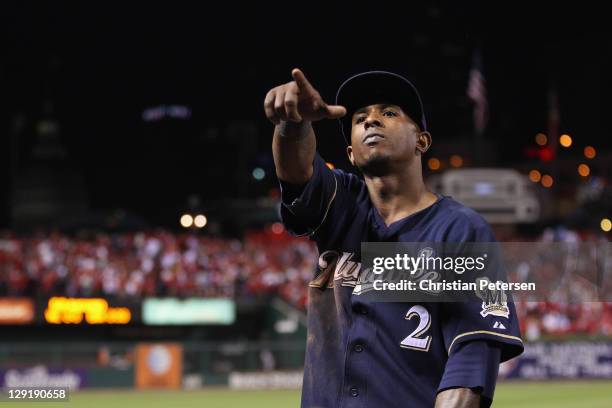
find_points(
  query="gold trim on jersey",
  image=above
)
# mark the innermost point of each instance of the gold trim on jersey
(313, 231)
(328, 206)
(505, 336)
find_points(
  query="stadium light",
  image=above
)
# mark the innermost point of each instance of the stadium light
(590, 152)
(157, 113)
(606, 225)
(456, 160)
(186, 220)
(584, 170)
(547, 181)
(433, 164)
(565, 140)
(258, 173)
(278, 228)
(200, 221)
(546, 154)
(535, 176)
(541, 139)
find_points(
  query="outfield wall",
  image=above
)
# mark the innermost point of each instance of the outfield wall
(248, 364)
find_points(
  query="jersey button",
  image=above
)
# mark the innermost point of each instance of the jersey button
(358, 348)
(354, 392)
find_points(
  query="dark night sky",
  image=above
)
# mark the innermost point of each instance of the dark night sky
(102, 63)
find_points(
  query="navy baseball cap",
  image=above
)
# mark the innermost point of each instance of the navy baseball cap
(372, 87)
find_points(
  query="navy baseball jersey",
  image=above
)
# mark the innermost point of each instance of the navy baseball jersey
(384, 354)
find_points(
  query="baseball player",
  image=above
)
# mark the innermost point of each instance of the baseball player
(380, 354)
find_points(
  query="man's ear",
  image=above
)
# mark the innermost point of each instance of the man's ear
(349, 152)
(423, 142)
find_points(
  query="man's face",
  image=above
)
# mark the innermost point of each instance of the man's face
(382, 134)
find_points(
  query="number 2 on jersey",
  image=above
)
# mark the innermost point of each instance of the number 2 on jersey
(414, 341)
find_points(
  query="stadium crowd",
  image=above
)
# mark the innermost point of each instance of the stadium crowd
(162, 263)
(156, 264)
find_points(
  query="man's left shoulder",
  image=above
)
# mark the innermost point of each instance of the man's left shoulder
(465, 224)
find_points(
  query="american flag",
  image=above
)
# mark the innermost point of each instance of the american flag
(477, 92)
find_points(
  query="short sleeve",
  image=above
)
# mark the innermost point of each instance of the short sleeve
(474, 365)
(488, 314)
(494, 321)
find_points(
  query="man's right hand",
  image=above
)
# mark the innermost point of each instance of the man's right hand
(298, 101)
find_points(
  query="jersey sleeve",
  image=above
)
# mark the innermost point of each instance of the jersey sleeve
(473, 320)
(474, 365)
(486, 315)
(304, 209)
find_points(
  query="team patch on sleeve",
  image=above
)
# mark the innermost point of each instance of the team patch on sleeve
(494, 302)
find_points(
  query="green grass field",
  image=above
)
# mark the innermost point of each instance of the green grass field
(540, 394)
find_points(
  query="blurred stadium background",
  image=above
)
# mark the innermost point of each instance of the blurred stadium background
(140, 246)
